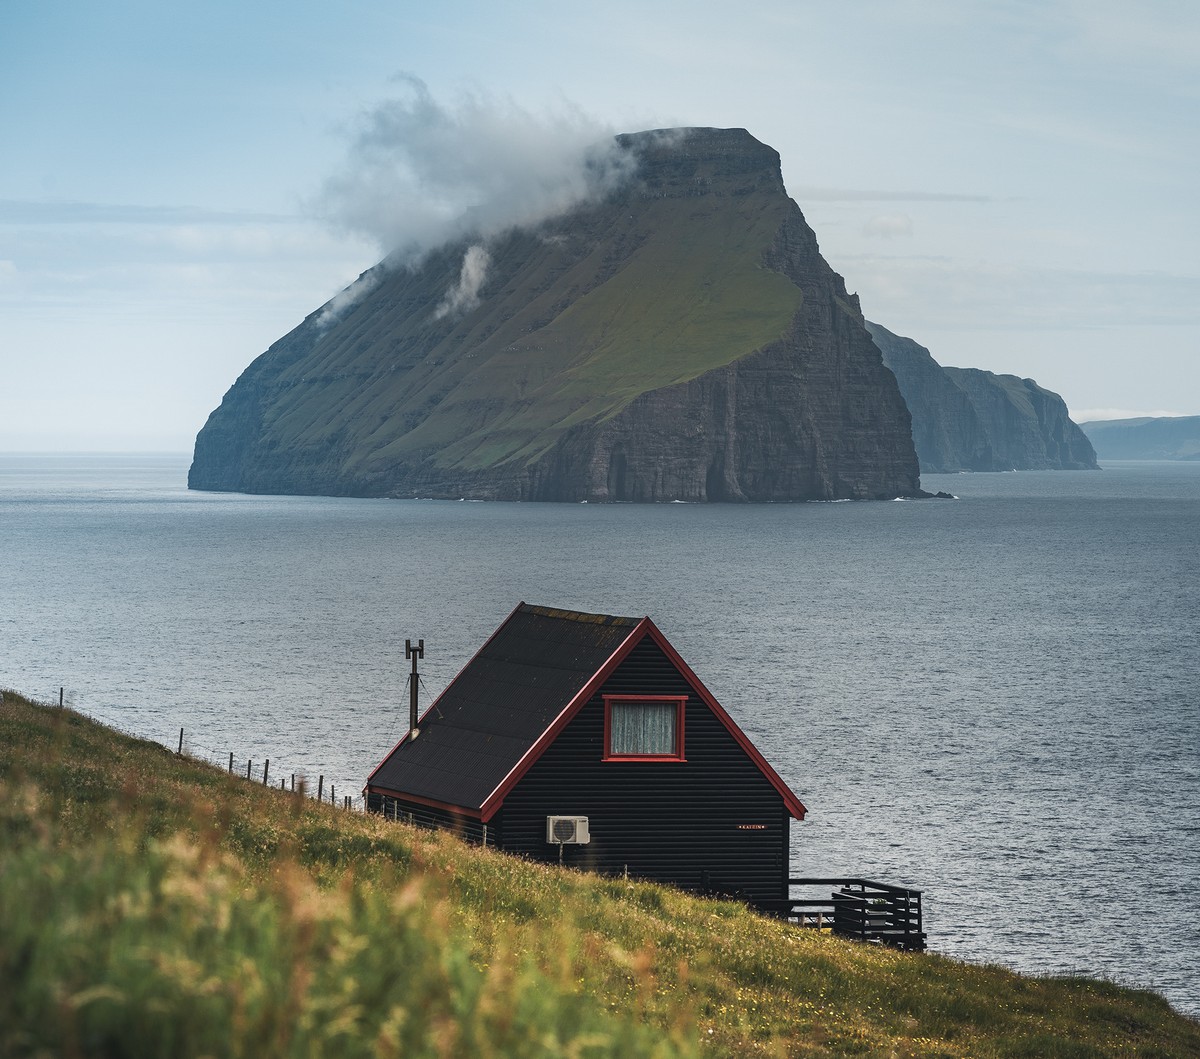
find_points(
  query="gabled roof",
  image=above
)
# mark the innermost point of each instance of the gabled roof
(512, 699)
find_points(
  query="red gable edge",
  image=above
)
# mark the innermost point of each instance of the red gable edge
(645, 627)
(492, 803)
(793, 804)
(433, 706)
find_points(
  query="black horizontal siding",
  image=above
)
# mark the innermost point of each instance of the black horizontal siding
(675, 822)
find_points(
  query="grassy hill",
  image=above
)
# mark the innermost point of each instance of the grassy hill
(153, 905)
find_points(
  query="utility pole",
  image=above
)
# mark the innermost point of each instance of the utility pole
(414, 653)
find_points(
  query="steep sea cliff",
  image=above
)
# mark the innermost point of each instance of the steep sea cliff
(966, 419)
(681, 340)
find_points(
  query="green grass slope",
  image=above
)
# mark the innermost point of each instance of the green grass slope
(694, 296)
(573, 326)
(155, 906)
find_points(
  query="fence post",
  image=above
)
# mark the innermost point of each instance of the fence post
(231, 762)
(293, 781)
(281, 786)
(60, 697)
(331, 790)
(266, 769)
(320, 788)
(179, 752)
(247, 768)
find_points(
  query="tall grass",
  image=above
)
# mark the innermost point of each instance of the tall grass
(150, 905)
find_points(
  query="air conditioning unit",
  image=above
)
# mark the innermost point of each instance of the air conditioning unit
(567, 830)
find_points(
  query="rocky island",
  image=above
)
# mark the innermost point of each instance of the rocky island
(682, 339)
(965, 419)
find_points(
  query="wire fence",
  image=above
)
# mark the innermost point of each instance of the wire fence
(263, 773)
(260, 771)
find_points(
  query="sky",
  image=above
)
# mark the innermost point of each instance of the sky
(1011, 183)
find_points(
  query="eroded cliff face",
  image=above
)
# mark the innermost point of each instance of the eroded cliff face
(683, 340)
(947, 432)
(965, 419)
(1029, 426)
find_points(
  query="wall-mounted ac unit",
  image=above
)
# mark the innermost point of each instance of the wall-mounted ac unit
(567, 830)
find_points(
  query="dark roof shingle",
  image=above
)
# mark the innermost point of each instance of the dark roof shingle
(508, 695)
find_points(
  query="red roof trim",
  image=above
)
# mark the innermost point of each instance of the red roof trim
(793, 804)
(492, 803)
(433, 705)
(644, 628)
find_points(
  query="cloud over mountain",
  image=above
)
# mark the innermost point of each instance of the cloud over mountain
(421, 172)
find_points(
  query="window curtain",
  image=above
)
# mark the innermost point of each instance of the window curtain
(642, 728)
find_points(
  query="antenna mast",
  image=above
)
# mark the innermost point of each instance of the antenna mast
(414, 653)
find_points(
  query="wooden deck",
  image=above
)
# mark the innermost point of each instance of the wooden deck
(860, 909)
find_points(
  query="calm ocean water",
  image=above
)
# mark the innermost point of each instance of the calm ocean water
(996, 700)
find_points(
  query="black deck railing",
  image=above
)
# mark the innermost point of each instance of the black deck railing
(861, 909)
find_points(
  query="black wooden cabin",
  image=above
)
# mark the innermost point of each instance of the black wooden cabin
(586, 738)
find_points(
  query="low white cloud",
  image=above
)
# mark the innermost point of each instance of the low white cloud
(339, 303)
(464, 296)
(808, 193)
(888, 226)
(421, 173)
(1093, 415)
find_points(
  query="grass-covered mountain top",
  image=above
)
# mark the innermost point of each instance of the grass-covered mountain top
(506, 365)
(156, 906)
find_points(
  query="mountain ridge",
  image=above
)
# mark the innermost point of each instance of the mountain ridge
(682, 339)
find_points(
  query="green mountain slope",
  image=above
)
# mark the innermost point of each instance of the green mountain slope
(699, 272)
(691, 291)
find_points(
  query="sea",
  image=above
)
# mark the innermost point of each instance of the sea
(994, 699)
